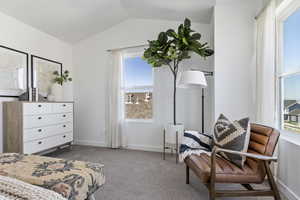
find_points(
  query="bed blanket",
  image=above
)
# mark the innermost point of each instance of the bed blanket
(74, 180)
(13, 189)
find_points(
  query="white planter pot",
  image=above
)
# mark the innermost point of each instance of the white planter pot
(171, 130)
(57, 92)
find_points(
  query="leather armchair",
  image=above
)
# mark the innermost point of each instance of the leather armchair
(215, 169)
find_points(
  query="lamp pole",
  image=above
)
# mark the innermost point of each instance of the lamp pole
(206, 73)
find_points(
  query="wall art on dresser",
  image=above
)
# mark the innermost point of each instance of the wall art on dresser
(13, 72)
(42, 74)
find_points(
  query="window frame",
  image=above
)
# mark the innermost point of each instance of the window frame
(126, 89)
(285, 10)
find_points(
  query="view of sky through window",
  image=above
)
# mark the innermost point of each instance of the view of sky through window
(137, 72)
(138, 83)
(291, 55)
(291, 83)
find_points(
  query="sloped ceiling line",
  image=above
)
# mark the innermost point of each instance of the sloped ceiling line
(74, 20)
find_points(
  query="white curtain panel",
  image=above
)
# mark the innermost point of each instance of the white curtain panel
(265, 65)
(114, 119)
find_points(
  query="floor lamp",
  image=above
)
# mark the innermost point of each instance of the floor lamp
(195, 79)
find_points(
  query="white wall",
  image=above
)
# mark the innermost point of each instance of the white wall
(235, 58)
(90, 63)
(20, 36)
(289, 165)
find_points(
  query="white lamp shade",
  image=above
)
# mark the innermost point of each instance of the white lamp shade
(192, 79)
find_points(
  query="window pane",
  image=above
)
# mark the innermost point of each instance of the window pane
(138, 105)
(291, 92)
(137, 72)
(291, 52)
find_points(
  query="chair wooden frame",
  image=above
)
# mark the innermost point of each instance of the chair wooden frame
(213, 193)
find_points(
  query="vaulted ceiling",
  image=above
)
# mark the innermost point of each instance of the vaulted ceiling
(74, 20)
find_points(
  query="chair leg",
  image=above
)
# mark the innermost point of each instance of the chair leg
(212, 189)
(187, 175)
(212, 192)
(212, 183)
(272, 181)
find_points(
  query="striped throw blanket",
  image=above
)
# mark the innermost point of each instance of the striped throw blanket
(194, 142)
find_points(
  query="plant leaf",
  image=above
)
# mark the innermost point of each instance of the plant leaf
(196, 36)
(162, 38)
(185, 41)
(187, 23)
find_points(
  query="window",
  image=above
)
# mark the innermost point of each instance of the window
(137, 88)
(289, 72)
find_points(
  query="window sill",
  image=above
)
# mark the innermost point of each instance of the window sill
(290, 136)
(138, 120)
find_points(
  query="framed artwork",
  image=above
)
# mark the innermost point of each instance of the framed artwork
(42, 73)
(13, 72)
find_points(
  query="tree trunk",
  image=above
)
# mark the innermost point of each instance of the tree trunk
(174, 99)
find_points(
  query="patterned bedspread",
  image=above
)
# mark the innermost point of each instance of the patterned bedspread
(75, 180)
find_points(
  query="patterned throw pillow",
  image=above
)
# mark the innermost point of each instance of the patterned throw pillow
(233, 136)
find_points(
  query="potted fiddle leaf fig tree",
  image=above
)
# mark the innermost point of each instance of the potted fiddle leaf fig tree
(172, 47)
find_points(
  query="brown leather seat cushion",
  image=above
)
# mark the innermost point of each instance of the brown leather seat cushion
(226, 172)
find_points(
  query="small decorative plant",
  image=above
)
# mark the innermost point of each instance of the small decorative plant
(172, 47)
(63, 78)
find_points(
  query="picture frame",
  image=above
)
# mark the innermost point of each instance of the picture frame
(42, 73)
(14, 68)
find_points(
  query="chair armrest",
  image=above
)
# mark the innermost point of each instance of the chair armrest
(250, 155)
(266, 160)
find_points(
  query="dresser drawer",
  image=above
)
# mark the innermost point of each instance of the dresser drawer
(37, 108)
(62, 107)
(46, 143)
(47, 131)
(36, 121)
(66, 138)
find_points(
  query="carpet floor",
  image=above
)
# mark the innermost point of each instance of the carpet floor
(139, 175)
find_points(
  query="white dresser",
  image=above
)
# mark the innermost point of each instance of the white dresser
(32, 127)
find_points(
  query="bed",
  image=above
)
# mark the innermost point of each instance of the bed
(74, 180)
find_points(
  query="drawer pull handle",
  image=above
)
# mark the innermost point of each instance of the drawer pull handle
(39, 118)
(64, 126)
(64, 136)
(64, 115)
(64, 105)
(40, 130)
(39, 142)
(39, 105)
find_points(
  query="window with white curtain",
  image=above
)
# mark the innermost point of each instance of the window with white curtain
(289, 71)
(137, 87)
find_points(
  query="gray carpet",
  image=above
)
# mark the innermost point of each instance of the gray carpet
(138, 175)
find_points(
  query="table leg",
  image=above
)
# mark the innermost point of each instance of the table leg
(177, 147)
(164, 145)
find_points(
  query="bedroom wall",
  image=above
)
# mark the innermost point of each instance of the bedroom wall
(235, 57)
(90, 64)
(18, 35)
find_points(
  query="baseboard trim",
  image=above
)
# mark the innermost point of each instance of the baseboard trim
(89, 143)
(129, 146)
(286, 191)
(144, 148)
